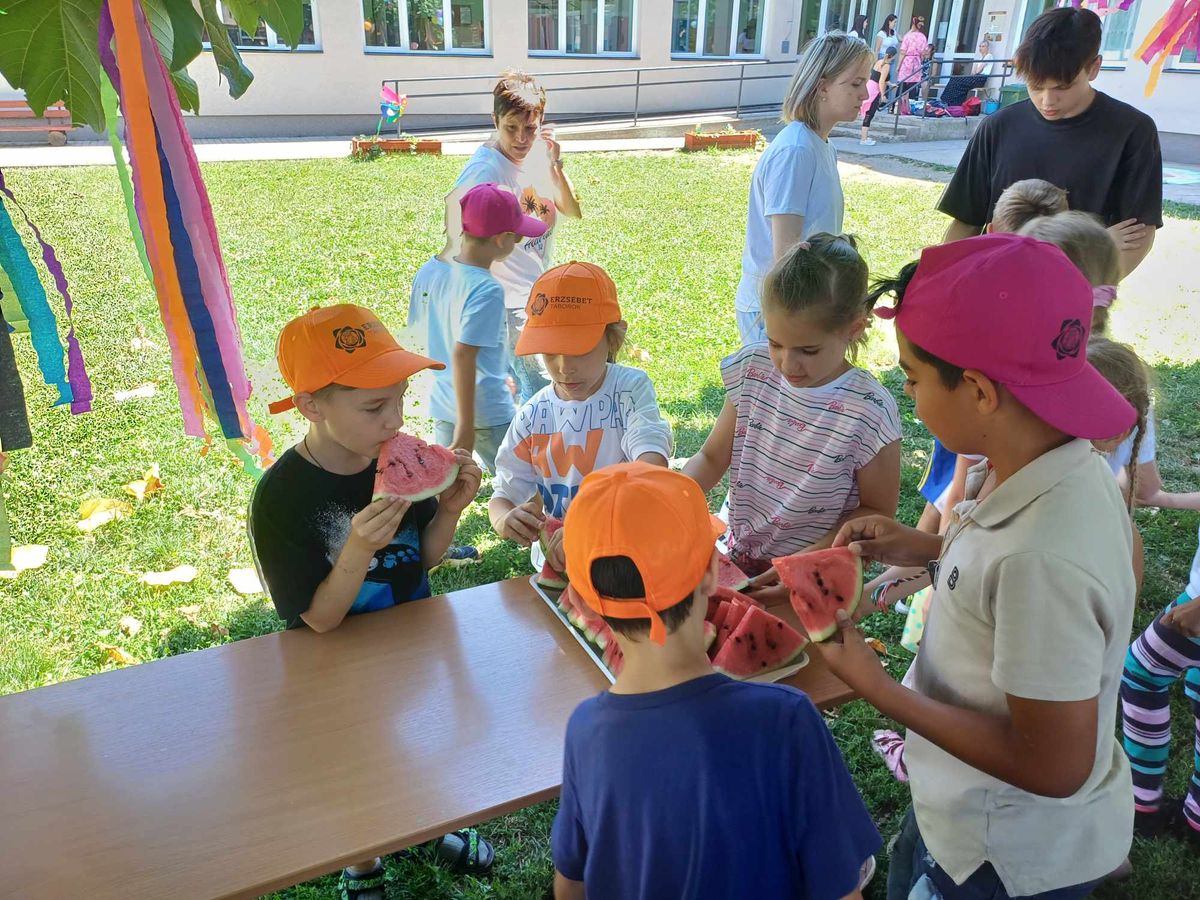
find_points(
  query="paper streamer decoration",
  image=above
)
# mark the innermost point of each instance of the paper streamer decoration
(71, 380)
(111, 103)
(5, 538)
(183, 253)
(1176, 31)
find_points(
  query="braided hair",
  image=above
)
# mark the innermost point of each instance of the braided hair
(1124, 370)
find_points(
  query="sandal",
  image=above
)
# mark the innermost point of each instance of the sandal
(466, 852)
(362, 887)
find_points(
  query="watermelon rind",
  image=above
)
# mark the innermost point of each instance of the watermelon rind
(433, 491)
(550, 577)
(786, 567)
(729, 575)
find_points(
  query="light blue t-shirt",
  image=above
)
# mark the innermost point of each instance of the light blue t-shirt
(797, 175)
(464, 304)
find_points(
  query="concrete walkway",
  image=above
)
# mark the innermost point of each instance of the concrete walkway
(575, 140)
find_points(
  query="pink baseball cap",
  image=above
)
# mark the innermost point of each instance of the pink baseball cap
(1017, 310)
(489, 210)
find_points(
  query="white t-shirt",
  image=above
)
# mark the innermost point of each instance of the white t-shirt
(1033, 597)
(531, 182)
(552, 443)
(1193, 588)
(797, 452)
(797, 175)
(984, 66)
(1118, 459)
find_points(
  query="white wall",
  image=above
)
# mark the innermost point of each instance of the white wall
(342, 79)
(1174, 104)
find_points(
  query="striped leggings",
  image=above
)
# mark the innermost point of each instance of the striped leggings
(1155, 661)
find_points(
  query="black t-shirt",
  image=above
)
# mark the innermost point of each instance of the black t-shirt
(1107, 158)
(299, 521)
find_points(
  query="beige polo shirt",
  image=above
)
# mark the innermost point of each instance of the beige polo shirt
(1034, 597)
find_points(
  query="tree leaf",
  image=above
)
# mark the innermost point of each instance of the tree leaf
(191, 613)
(94, 513)
(245, 581)
(26, 557)
(286, 18)
(48, 50)
(117, 655)
(246, 13)
(177, 28)
(149, 483)
(228, 60)
(129, 625)
(178, 575)
(186, 90)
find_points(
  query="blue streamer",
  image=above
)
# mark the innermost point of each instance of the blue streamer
(43, 326)
(208, 347)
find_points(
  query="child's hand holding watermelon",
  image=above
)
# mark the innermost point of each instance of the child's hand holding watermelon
(851, 659)
(520, 524)
(887, 541)
(555, 557)
(374, 526)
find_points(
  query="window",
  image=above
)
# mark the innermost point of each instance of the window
(717, 27)
(581, 27)
(264, 38)
(425, 26)
(1117, 35)
(1187, 59)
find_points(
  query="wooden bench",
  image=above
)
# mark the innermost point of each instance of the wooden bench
(245, 768)
(17, 117)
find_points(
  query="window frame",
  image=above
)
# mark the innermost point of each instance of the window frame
(735, 14)
(1176, 64)
(274, 45)
(1119, 59)
(447, 35)
(561, 53)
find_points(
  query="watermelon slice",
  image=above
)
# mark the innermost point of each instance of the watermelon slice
(413, 470)
(550, 577)
(724, 593)
(733, 618)
(729, 575)
(718, 617)
(822, 582)
(761, 643)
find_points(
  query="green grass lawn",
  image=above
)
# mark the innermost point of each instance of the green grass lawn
(668, 228)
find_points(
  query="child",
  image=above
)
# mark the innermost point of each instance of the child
(1167, 650)
(1103, 152)
(1024, 201)
(1018, 786)
(323, 549)
(808, 439)
(645, 812)
(877, 90)
(471, 404)
(525, 158)
(1132, 454)
(1090, 246)
(592, 414)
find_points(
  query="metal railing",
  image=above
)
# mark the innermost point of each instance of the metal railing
(937, 73)
(636, 82)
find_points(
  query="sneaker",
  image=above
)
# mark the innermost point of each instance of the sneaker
(868, 143)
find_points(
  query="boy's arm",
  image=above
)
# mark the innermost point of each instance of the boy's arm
(463, 360)
(439, 533)
(371, 529)
(566, 889)
(708, 466)
(1132, 256)
(1150, 490)
(958, 231)
(1041, 746)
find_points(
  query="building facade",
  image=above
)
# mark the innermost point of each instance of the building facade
(692, 55)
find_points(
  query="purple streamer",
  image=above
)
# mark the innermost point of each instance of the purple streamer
(77, 376)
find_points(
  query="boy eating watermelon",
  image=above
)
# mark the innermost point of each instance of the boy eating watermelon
(680, 782)
(323, 548)
(1019, 787)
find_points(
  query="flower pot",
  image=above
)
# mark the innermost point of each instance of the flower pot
(726, 140)
(366, 146)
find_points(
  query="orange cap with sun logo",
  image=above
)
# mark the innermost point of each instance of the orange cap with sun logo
(569, 307)
(343, 344)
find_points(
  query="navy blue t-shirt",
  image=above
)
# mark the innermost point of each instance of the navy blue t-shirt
(712, 788)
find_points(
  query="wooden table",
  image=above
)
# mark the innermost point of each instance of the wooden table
(259, 764)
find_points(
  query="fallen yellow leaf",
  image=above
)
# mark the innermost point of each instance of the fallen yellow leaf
(94, 513)
(878, 646)
(191, 613)
(178, 575)
(117, 655)
(26, 557)
(245, 581)
(218, 631)
(148, 484)
(129, 625)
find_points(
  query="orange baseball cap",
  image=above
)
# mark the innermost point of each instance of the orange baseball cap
(343, 344)
(568, 310)
(656, 517)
